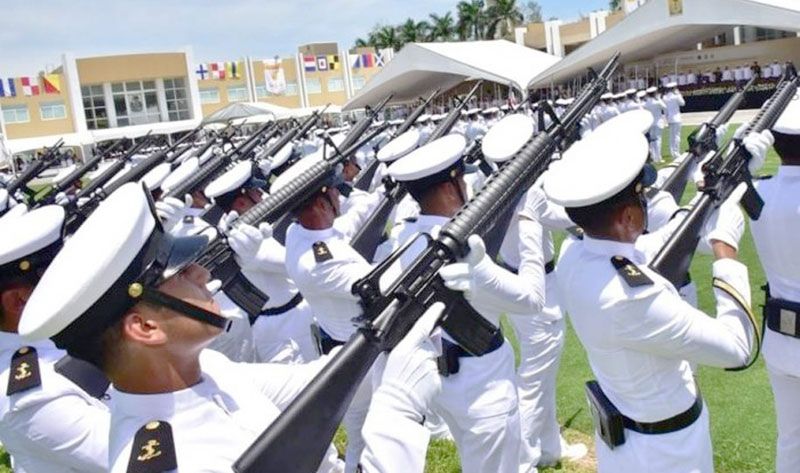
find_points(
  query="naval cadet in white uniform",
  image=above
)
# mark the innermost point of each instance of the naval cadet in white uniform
(47, 422)
(774, 234)
(126, 297)
(639, 335)
(674, 101)
(478, 399)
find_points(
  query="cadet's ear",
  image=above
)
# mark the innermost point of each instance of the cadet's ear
(139, 325)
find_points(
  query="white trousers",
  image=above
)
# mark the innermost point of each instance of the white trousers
(685, 451)
(675, 140)
(479, 404)
(353, 421)
(786, 389)
(655, 144)
(285, 338)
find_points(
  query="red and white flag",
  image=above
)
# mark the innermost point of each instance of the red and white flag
(217, 70)
(29, 86)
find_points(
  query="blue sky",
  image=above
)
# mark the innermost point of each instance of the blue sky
(34, 37)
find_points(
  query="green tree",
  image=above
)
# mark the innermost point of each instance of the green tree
(615, 5)
(471, 18)
(502, 17)
(414, 31)
(532, 12)
(443, 28)
(386, 37)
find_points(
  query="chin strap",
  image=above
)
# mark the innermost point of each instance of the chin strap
(156, 297)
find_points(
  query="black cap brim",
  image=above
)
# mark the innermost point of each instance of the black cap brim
(182, 252)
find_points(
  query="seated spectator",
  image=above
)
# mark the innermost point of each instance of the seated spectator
(681, 79)
(766, 73)
(747, 71)
(738, 74)
(756, 69)
(727, 75)
(664, 80)
(691, 78)
(777, 69)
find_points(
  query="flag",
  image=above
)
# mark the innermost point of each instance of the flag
(333, 62)
(379, 59)
(310, 63)
(201, 71)
(322, 63)
(52, 83)
(274, 77)
(29, 86)
(217, 70)
(631, 5)
(233, 70)
(355, 60)
(7, 89)
(367, 60)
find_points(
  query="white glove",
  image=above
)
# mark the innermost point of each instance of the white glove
(757, 144)
(465, 276)
(246, 240)
(214, 286)
(411, 379)
(265, 165)
(82, 201)
(61, 199)
(727, 223)
(740, 131)
(722, 130)
(3, 200)
(171, 211)
(697, 176)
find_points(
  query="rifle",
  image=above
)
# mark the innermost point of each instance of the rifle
(362, 125)
(297, 132)
(211, 168)
(316, 412)
(701, 142)
(219, 259)
(30, 173)
(368, 237)
(112, 170)
(364, 178)
(722, 174)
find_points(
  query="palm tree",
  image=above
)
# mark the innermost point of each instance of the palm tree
(615, 5)
(470, 19)
(503, 16)
(362, 43)
(442, 27)
(386, 37)
(414, 31)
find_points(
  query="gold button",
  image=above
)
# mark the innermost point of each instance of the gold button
(152, 425)
(135, 290)
(23, 350)
(24, 265)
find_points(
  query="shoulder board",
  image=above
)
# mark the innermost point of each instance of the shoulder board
(632, 275)
(321, 252)
(153, 449)
(24, 372)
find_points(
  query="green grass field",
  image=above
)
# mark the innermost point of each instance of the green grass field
(742, 415)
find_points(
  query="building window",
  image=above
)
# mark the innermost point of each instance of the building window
(261, 91)
(94, 107)
(16, 114)
(53, 110)
(291, 88)
(358, 82)
(177, 99)
(209, 95)
(136, 102)
(335, 84)
(237, 94)
(313, 86)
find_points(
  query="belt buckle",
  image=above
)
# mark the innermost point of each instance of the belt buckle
(788, 322)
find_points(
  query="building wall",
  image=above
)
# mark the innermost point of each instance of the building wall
(575, 33)
(37, 125)
(289, 66)
(97, 70)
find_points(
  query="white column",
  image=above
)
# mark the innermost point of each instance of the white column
(249, 80)
(597, 22)
(110, 109)
(162, 100)
(552, 34)
(301, 82)
(519, 35)
(737, 35)
(191, 82)
(344, 58)
(73, 90)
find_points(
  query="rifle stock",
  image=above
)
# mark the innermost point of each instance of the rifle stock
(723, 174)
(315, 414)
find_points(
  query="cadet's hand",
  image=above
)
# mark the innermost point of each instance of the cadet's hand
(464, 275)
(265, 166)
(411, 378)
(246, 240)
(722, 130)
(698, 176)
(757, 144)
(3, 199)
(726, 226)
(171, 211)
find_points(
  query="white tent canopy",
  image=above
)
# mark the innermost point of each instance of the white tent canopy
(651, 30)
(420, 68)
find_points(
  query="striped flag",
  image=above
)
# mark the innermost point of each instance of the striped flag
(355, 60)
(52, 83)
(29, 86)
(367, 60)
(310, 63)
(233, 70)
(333, 62)
(7, 88)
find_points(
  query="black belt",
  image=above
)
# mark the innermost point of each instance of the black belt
(673, 424)
(782, 316)
(549, 267)
(451, 352)
(328, 343)
(280, 310)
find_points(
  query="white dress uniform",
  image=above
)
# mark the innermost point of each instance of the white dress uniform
(657, 107)
(639, 335)
(213, 422)
(774, 234)
(674, 101)
(479, 401)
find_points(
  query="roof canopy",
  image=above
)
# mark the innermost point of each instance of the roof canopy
(651, 30)
(420, 68)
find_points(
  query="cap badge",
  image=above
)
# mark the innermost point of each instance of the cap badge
(25, 265)
(135, 290)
